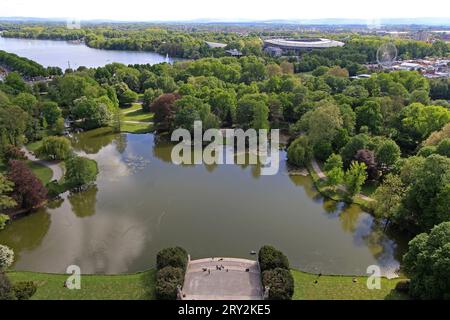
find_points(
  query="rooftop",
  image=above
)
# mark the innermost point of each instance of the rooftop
(304, 43)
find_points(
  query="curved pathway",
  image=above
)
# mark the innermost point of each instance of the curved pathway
(323, 176)
(53, 165)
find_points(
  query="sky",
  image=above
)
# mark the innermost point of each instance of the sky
(225, 10)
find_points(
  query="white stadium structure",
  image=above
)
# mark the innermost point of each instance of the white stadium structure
(279, 46)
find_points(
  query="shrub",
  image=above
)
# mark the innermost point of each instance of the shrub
(322, 150)
(271, 258)
(167, 281)
(172, 257)
(11, 152)
(24, 290)
(6, 291)
(6, 257)
(280, 282)
(403, 286)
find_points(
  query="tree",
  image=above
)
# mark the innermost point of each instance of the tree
(55, 148)
(11, 152)
(252, 111)
(29, 191)
(334, 170)
(354, 178)
(388, 197)
(420, 121)
(51, 112)
(427, 198)
(80, 172)
(92, 113)
(386, 154)
(125, 95)
(368, 158)
(427, 263)
(356, 143)
(443, 148)
(299, 152)
(6, 202)
(6, 257)
(164, 109)
(370, 115)
(13, 122)
(149, 96)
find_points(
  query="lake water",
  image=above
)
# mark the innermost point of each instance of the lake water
(143, 203)
(62, 54)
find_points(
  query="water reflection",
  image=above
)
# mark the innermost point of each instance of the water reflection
(142, 203)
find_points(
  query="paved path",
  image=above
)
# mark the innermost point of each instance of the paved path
(234, 284)
(323, 176)
(138, 122)
(53, 165)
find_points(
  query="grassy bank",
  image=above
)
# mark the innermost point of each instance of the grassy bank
(341, 288)
(141, 286)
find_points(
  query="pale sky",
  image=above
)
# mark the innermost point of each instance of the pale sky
(150, 10)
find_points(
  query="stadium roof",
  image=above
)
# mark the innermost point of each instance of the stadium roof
(304, 43)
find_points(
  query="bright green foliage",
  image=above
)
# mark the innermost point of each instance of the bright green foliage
(355, 177)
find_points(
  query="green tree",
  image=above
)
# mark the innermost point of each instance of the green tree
(355, 177)
(55, 148)
(387, 153)
(388, 197)
(427, 198)
(299, 152)
(51, 112)
(334, 170)
(370, 115)
(80, 172)
(427, 263)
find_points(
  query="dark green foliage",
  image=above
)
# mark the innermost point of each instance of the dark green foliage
(6, 289)
(403, 286)
(427, 263)
(167, 281)
(280, 282)
(271, 258)
(24, 290)
(175, 257)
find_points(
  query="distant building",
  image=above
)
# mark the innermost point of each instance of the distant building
(234, 53)
(216, 45)
(299, 45)
(274, 51)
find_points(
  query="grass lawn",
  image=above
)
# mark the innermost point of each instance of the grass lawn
(138, 286)
(132, 107)
(138, 115)
(142, 285)
(44, 173)
(341, 288)
(369, 188)
(136, 127)
(33, 146)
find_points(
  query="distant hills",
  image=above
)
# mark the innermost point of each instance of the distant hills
(325, 22)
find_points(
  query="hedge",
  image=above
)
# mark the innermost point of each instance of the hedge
(167, 281)
(281, 283)
(172, 257)
(271, 258)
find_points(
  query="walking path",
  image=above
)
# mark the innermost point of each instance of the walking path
(53, 165)
(323, 176)
(237, 279)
